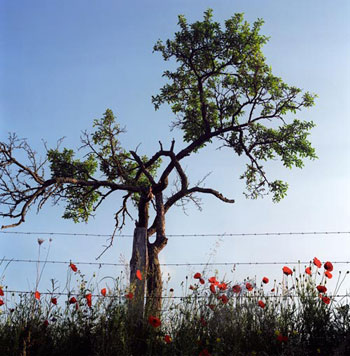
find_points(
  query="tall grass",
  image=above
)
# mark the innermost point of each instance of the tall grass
(211, 318)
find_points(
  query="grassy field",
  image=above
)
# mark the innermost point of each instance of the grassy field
(297, 316)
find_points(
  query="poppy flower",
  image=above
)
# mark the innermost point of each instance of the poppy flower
(236, 288)
(76, 306)
(201, 281)
(73, 267)
(192, 287)
(167, 339)
(308, 271)
(321, 289)
(224, 299)
(328, 274)
(46, 323)
(287, 271)
(204, 352)
(103, 291)
(326, 300)
(282, 338)
(197, 276)
(213, 280)
(272, 290)
(1, 302)
(129, 295)
(317, 262)
(138, 275)
(203, 322)
(154, 321)
(222, 286)
(249, 286)
(37, 295)
(261, 304)
(328, 266)
(88, 299)
(72, 300)
(212, 288)
(171, 290)
(1, 292)
(54, 300)
(211, 306)
(265, 280)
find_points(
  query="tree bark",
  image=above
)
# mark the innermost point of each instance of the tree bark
(154, 276)
(138, 262)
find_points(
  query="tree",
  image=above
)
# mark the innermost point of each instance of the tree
(222, 90)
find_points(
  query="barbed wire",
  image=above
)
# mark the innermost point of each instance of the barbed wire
(166, 264)
(124, 296)
(301, 233)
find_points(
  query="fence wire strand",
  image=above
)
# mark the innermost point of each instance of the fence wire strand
(301, 233)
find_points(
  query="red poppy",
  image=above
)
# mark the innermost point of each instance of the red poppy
(287, 271)
(203, 322)
(129, 295)
(88, 299)
(204, 352)
(265, 280)
(201, 281)
(213, 280)
(224, 299)
(211, 306)
(328, 266)
(103, 291)
(138, 274)
(212, 288)
(272, 290)
(222, 286)
(282, 338)
(167, 339)
(54, 300)
(308, 271)
(154, 321)
(197, 276)
(236, 288)
(1, 292)
(317, 262)
(326, 300)
(261, 304)
(1, 302)
(72, 300)
(73, 267)
(46, 323)
(328, 274)
(37, 295)
(249, 286)
(192, 287)
(321, 289)
(171, 290)
(76, 306)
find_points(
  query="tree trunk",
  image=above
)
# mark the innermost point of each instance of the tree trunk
(154, 276)
(154, 284)
(138, 262)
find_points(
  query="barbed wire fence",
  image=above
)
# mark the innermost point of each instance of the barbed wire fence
(233, 263)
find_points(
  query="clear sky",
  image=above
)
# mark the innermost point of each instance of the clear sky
(64, 62)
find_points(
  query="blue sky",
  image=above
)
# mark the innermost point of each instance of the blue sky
(64, 62)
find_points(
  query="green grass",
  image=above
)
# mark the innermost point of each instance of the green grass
(294, 321)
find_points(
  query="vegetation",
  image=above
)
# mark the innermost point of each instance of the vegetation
(295, 316)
